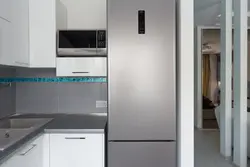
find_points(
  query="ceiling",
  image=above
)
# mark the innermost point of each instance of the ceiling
(206, 12)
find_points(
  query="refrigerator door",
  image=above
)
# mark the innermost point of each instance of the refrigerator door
(141, 70)
(158, 154)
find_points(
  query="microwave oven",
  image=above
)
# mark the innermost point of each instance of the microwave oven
(81, 43)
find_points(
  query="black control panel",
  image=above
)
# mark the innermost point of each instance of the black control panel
(141, 21)
(101, 39)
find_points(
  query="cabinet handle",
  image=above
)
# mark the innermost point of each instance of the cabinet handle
(24, 153)
(80, 72)
(21, 63)
(75, 138)
(4, 19)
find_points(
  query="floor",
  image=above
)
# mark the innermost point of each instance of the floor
(209, 119)
(207, 150)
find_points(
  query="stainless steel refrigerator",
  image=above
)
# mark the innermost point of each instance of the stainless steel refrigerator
(141, 83)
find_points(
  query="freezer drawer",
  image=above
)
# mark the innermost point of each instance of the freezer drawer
(142, 154)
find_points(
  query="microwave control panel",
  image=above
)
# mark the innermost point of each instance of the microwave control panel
(101, 39)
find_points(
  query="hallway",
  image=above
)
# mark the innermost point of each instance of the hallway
(206, 149)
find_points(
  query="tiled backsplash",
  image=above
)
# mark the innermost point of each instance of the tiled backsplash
(7, 94)
(57, 97)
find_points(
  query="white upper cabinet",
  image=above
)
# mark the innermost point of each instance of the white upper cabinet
(42, 33)
(86, 14)
(5, 25)
(5, 8)
(33, 33)
(82, 66)
(19, 33)
(5, 42)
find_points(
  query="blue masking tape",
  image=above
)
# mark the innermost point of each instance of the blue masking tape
(65, 79)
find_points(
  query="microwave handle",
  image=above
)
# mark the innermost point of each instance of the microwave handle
(99, 50)
(90, 50)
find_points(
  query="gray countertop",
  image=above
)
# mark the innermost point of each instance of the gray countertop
(70, 121)
(61, 123)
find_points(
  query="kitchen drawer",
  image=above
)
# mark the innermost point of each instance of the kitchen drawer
(77, 150)
(74, 136)
(83, 66)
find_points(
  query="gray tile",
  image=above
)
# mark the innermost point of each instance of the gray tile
(36, 98)
(7, 100)
(61, 97)
(7, 94)
(80, 97)
(37, 72)
(7, 72)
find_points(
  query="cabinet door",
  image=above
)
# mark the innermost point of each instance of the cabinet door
(42, 33)
(84, 14)
(5, 43)
(5, 9)
(34, 154)
(77, 150)
(20, 33)
(31, 155)
(83, 66)
(13, 162)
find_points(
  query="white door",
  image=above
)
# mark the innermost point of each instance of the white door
(76, 150)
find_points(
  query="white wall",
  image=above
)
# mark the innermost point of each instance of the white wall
(86, 14)
(185, 74)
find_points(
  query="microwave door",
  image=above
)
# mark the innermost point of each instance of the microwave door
(77, 43)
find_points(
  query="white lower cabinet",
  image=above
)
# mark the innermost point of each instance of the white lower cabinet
(13, 162)
(35, 153)
(76, 150)
(60, 150)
